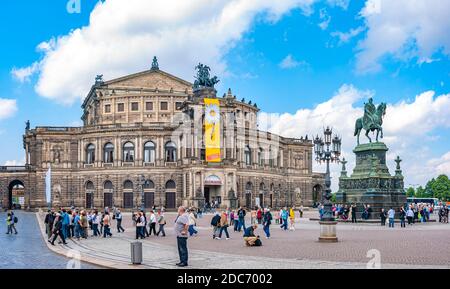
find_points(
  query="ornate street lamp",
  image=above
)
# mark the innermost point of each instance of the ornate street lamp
(141, 182)
(326, 154)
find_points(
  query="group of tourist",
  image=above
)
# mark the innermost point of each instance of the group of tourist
(141, 221)
(73, 223)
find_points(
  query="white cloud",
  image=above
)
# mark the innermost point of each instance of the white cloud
(289, 62)
(339, 3)
(345, 37)
(323, 14)
(24, 74)
(123, 36)
(405, 30)
(441, 165)
(8, 107)
(407, 127)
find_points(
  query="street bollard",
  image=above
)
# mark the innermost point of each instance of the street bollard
(136, 253)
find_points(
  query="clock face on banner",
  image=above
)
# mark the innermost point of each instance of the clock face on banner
(212, 130)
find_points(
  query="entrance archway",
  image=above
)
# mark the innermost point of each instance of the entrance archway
(212, 190)
(317, 193)
(16, 195)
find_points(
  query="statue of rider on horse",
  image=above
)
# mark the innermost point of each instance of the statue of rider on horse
(371, 121)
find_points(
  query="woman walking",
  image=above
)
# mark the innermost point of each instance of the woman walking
(291, 219)
(140, 223)
(162, 223)
(192, 223)
(223, 226)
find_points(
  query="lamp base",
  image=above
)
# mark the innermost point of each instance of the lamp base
(328, 232)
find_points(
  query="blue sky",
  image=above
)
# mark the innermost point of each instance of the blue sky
(287, 57)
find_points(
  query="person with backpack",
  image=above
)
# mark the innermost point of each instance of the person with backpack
(118, 217)
(14, 220)
(250, 238)
(241, 219)
(267, 221)
(215, 224)
(223, 226)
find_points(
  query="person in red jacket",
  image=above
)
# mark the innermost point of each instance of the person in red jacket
(259, 215)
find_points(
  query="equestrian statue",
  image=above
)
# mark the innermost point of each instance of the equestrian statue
(371, 121)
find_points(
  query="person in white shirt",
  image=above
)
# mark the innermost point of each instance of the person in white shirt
(152, 223)
(192, 223)
(391, 216)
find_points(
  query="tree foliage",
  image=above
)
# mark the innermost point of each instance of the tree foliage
(435, 188)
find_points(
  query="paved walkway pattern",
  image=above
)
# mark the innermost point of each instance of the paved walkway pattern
(27, 249)
(420, 246)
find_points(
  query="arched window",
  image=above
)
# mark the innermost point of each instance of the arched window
(90, 154)
(90, 186)
(248, 155)
(261, 157)
(149, 184)
(248, 186)
(262, 187)
(149, 152)
(108, 185)
(128, 185)
(171, 185)
(128, 152)
(108, 155)
(171, 152)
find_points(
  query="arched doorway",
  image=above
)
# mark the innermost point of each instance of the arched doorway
(128, 201)
(149, 194)
(90, 188)
(213, 185)
(317, 193)
(171, 195)
(108, 194)
(16, 195)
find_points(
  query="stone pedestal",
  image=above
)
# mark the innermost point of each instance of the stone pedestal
(328, 231)
(371, 183)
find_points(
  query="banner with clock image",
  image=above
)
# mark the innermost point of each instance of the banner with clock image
(212, 130)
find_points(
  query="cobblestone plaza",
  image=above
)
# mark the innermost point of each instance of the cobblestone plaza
(419, 246)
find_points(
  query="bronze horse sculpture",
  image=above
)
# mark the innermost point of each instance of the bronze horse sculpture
(371, 121)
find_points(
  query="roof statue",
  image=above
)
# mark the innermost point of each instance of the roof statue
(155, 65)
(203, 78)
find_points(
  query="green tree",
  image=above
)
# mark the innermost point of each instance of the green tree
(420, 192)
(410, 192)
(439, 188)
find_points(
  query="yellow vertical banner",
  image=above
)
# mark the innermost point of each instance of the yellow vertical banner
(212, 130)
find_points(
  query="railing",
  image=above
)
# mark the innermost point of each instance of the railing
(15, 168)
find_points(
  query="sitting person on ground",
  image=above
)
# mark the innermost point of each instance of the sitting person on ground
(250, 238)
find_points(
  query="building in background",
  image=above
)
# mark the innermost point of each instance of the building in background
(152, 124)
